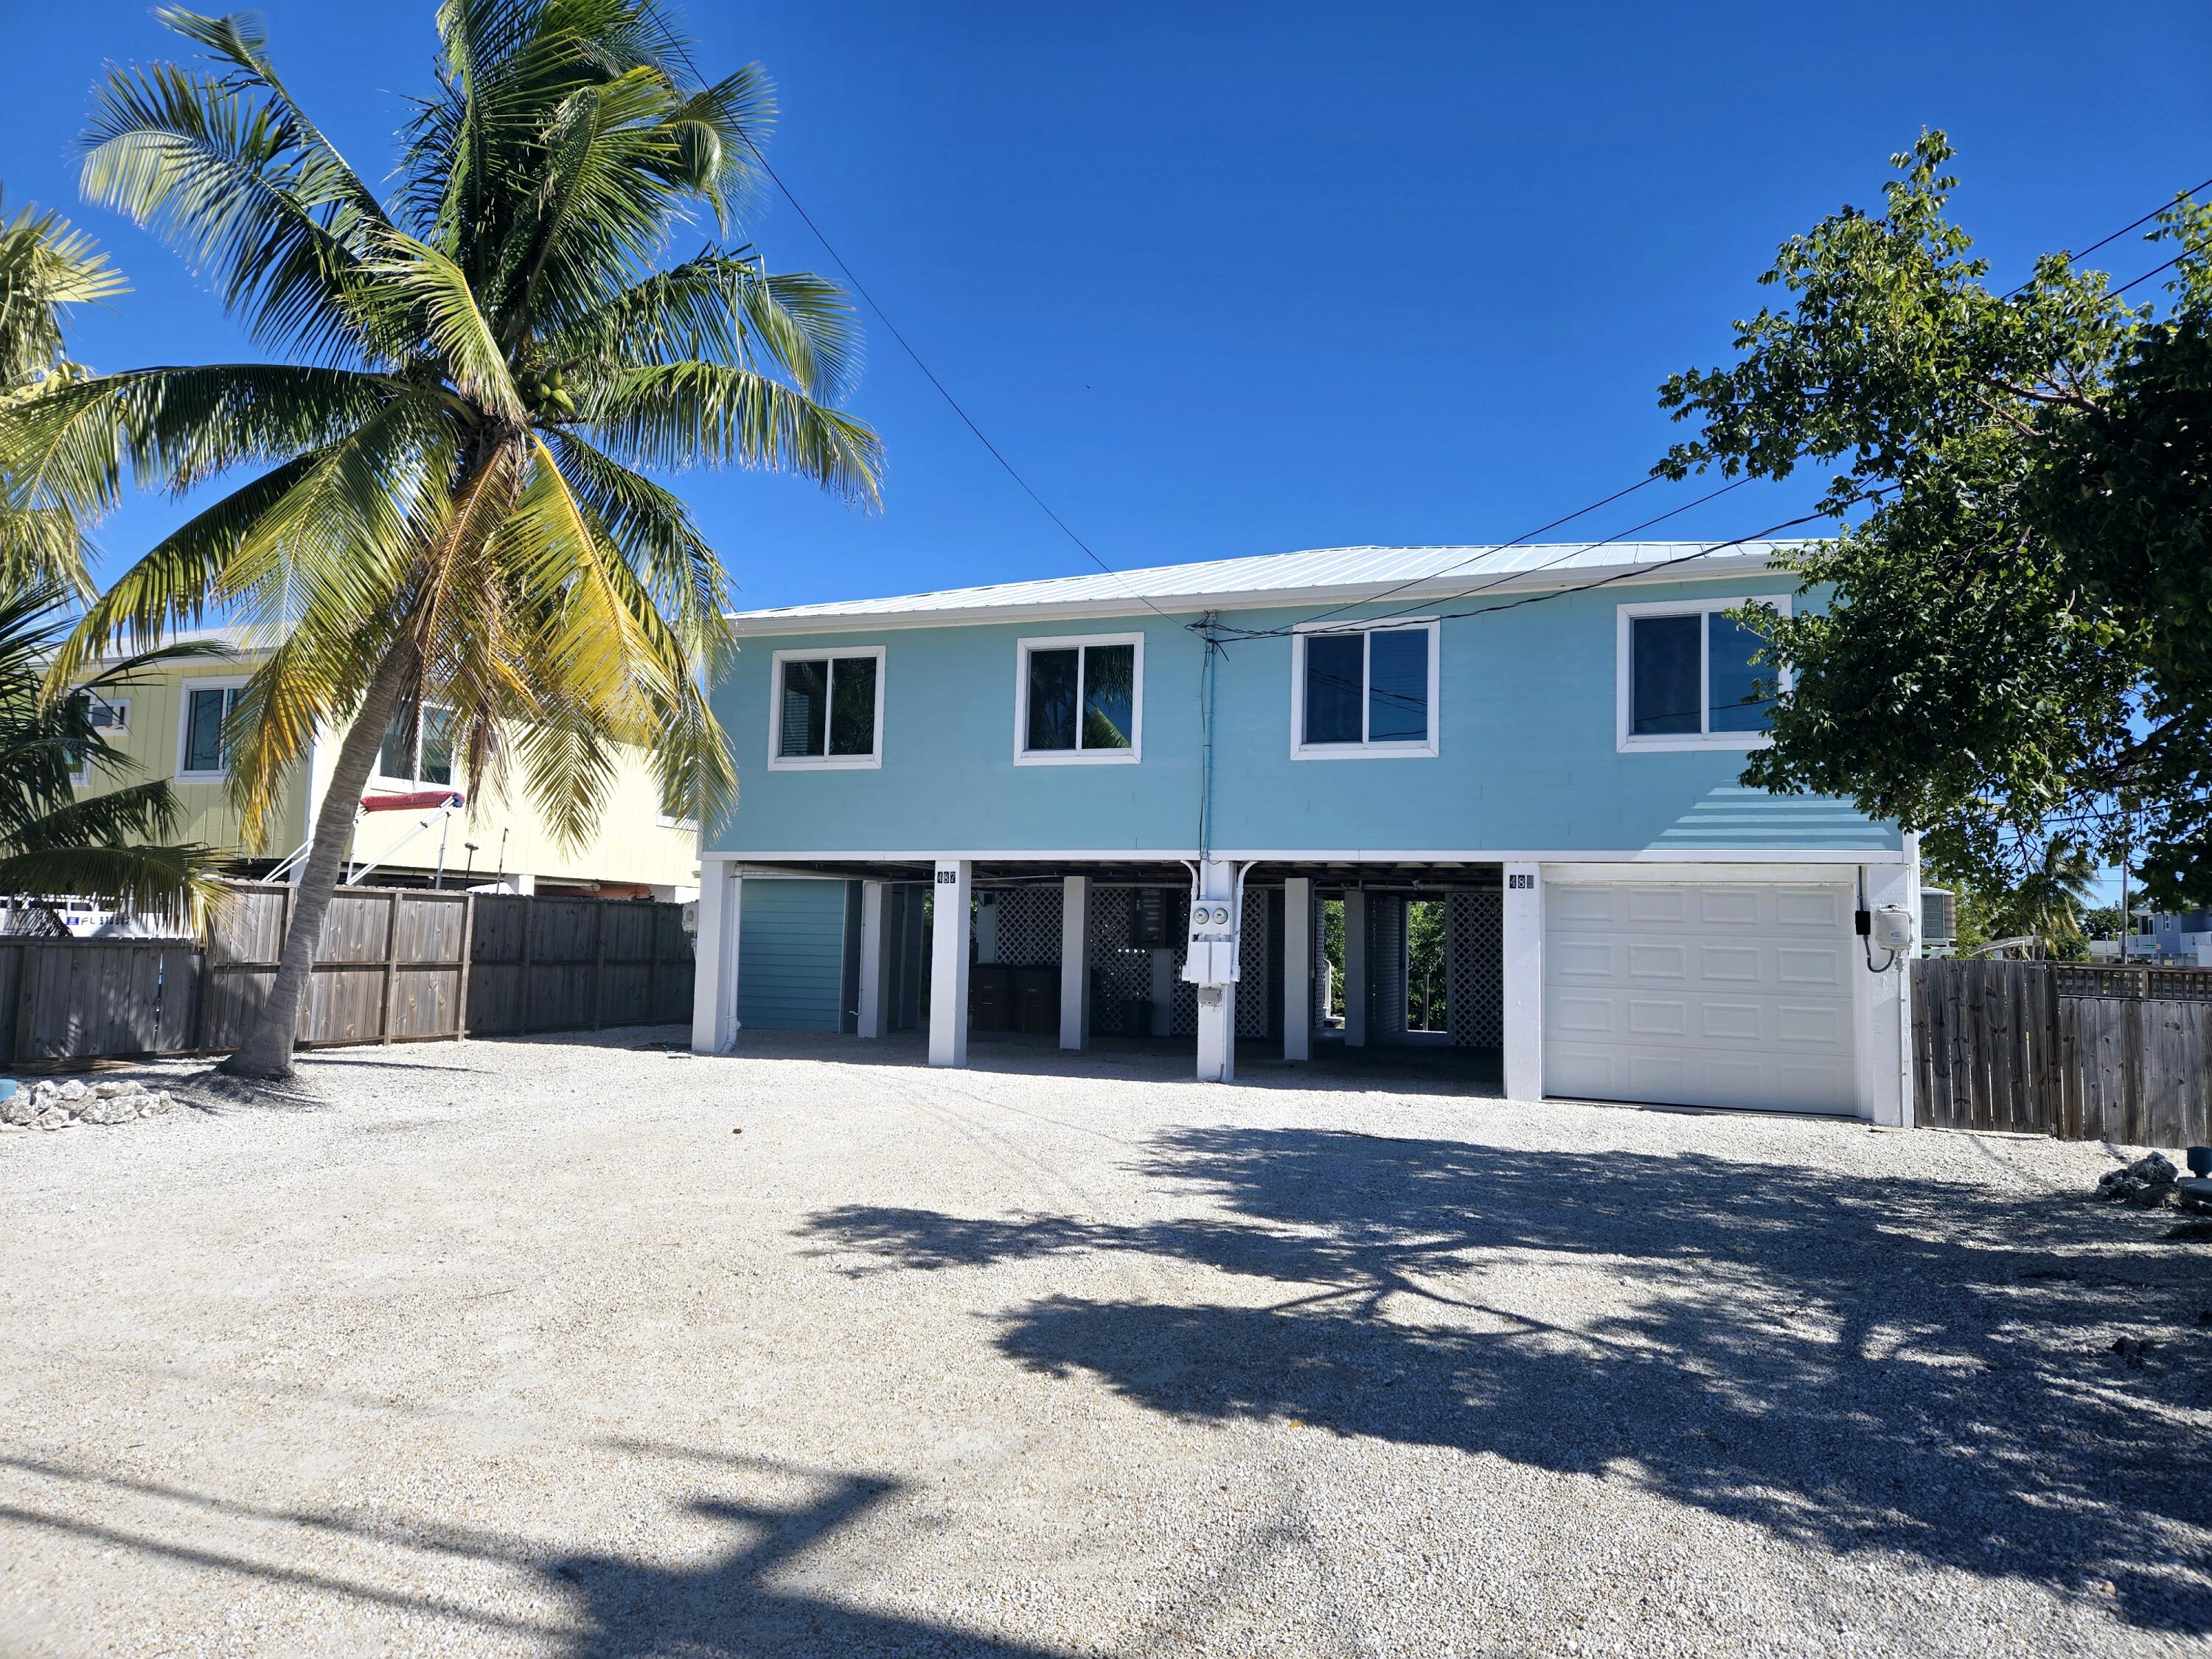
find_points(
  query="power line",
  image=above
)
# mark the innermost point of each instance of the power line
(930, 374)
(1061, 524)
(1511, 575)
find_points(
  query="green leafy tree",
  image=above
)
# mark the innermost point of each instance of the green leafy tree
(2101, 922)
(108, 845)
(1426, 976)
(449, 496)
(2018, 638)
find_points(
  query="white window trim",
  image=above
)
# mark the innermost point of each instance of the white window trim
(1024, 755)
(81, 778)
(778, 763)
(1625, 741)
(227, 683)
(1417, 749)
(378, 775)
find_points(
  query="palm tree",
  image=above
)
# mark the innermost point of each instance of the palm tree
(51, 842)
(447, 500)
(2048, 901)
(44, 266)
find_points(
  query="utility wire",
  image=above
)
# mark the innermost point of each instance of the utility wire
(1703, 552)
(1507, 576)
(1207, 631)
(930, 374)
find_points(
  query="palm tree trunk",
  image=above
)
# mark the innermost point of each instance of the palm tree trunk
(267, 1050)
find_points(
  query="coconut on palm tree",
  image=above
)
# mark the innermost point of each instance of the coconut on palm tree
(448, 494)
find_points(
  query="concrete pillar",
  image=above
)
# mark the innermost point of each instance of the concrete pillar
(1216, 962)
(1524, 981)
(1075, 962)
(1297, 969)
(715, 978)
(1355, 968)
(875, 961)
(1216, 1034)
(948, 963)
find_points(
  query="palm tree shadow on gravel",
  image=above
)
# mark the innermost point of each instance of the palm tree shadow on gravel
(1898, 1366)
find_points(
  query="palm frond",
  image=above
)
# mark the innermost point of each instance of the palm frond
(670, 415)
(172, 428)
(44, 266)
(175, 884)
(246, 196)
(724, 309)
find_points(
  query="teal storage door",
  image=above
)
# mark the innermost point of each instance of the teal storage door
(791, 954)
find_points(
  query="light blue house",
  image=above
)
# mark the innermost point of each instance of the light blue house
(1150, 789)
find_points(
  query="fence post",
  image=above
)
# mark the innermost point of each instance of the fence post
(468, 956)
(599, 966)
(390, 960)
(652, 967)
(24, 1024)
(523, 980)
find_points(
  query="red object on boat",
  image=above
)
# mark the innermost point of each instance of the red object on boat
(413, 801)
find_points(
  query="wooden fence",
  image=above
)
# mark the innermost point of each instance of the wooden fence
(2082, 1053)
(395, 964)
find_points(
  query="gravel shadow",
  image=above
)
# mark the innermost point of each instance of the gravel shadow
(1926, 1368)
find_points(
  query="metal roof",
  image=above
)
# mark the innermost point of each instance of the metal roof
(1338, 575)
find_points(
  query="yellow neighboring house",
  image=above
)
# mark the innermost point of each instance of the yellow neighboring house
(171, 723)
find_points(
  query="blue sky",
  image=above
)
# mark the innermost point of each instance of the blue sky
(1232, 279)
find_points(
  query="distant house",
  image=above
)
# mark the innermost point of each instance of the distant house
(1148, 838)
(421, 812)
(2182, 937)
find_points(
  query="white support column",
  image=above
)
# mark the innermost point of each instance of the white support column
(714, 982)
(948, 963)
(875, 960)
(1524, 981)
(1075, 962)
(1213, 967)
(1885, 1005)
(1355, 968)
(1297, 968)
(1216, 1034)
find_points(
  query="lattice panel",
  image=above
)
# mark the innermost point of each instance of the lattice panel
(1254, 984)
(1028, 926)
(1474, 956)
(1119, 970)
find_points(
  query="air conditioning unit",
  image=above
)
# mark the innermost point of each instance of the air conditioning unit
(1939, 917)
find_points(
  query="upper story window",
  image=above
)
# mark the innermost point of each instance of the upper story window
(203, 751)
(417, 748)
(826, 707)
(1361, 693)
(1079, 700)
(111, 718)
(1686, 679)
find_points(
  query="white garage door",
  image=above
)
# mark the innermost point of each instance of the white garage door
(1712, 994)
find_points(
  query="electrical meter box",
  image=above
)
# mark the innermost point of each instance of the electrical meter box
(1892, 928)
(1211, 958)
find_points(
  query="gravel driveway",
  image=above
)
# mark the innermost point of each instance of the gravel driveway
(518, 1348)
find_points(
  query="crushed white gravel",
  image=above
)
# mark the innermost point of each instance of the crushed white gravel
(518, 1348)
